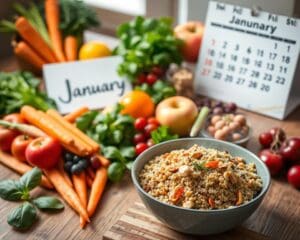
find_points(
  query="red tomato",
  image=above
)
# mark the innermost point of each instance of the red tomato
(266, 139)
(138, 138)
(151, 78)
(140, 147)
(19, 146)
(14, 118)
(6, 138)
(153, 120)
(142, 78)
(290, 150)
(294, 176)
(43, 152)
(149, 128)
(158, 71)
(273, 161)
(140, 123)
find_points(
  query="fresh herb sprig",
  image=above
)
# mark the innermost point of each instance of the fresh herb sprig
(114, 132)
(21, 88)
(146, 43)
(162, 134)
(24, 216)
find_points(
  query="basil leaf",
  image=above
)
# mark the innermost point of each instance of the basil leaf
(23, 216)
(127, 152)
(123, 119)
(48, 203)
(11, 190)
(86, 120)
(115, 171)
(113, 153)
(31, 179)
(129, 165)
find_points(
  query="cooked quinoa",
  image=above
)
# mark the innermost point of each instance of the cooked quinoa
(200, 178)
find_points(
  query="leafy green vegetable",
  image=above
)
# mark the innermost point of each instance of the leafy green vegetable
(114, 132)
(15, 190)
(158, 91)
(10, 190)
(76, 17)
(21, 88)
(48, 203)
(146, 43)
(200, 166)
(162, 134)
(23, 216)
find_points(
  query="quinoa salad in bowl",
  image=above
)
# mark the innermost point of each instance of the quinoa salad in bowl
(200, 178)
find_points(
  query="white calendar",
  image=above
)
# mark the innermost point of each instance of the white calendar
(251, 60)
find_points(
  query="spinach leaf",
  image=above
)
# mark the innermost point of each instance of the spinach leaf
(113, 153)
(23, 216)
(85, 120)
(48, 203)
(128, 151)
(116, 171)
(11, 190)
(31, 179)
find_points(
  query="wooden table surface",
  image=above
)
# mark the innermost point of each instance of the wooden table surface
(277, 217)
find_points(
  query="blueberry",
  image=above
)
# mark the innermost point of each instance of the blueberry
(68, 156)
(83, 164)
(68, 166)
(76, 159)
(75, 169)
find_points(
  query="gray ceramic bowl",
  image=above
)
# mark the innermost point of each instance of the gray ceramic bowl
(192, 221)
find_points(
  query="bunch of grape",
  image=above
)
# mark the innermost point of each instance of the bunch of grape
(217, 107)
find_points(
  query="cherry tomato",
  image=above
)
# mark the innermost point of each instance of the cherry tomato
(290, 150)
(272, 159)
(142, 78)
(153, 120)
(7, 137)
(293, 176)
(140, 147)
(150, 142)
(19, 146)
(149, 128)
(266, 139)
(158, 71)
(140, 123)
(151, 78)
(138, 138)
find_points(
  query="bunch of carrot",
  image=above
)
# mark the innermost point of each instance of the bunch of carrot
(73, 189)
(35, 50)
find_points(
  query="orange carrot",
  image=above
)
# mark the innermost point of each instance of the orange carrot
(211, 203)
(67, 193)
(239, 200)
(97, 190)
(79, 182)
(34, 39)
(24, 128)
(63, 172)
(212, 164)
(89, 181)
(91, 173)
(52, 19)
(89, 143)
(27, 54)
(70, 48)
(104, 161)
(71, 117)
(21, 167)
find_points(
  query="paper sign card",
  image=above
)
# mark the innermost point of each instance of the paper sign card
(250, 59)
(92, 83)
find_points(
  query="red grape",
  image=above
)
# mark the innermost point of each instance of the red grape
(140, 123)
(273, 161)
(151, 78)
(142, 78)
(139, 137)
(290, 150)
(293, 176)
(157, 71)
(95, 162)
(266, 139)
(140, 147)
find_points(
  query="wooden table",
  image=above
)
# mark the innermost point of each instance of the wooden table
(277, 217)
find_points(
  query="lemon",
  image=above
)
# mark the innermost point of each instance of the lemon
(94, 50)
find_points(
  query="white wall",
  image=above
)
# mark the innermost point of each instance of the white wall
(196, 9)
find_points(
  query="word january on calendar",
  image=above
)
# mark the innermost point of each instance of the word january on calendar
(92, 83)
(251, 59)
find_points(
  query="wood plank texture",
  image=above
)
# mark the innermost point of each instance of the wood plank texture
(138, 223)
(278, 217)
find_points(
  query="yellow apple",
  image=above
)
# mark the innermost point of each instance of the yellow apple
(178, 113)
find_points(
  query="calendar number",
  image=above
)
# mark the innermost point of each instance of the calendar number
(265, 88)
(280, 80)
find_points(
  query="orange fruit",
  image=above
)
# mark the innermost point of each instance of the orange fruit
(137, 104)
(92, 50)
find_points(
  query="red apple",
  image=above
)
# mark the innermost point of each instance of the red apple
(191, 33)
(19, 146)
(43, 152)
(178, 113)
